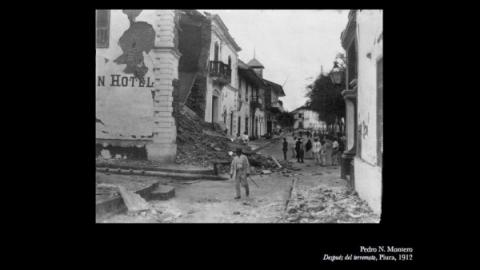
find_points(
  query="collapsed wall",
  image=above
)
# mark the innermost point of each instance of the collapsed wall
(195, 38)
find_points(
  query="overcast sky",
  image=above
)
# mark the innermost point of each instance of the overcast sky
(291, 44)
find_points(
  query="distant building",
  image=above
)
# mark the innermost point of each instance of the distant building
(307, 119)
(363, 42)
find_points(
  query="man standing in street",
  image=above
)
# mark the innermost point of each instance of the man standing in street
(240, 170)
(285, 148)
(299, 150)
(316, 150)
(294, 148)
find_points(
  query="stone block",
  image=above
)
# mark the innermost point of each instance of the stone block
(163, 43)
(160, 114)
(162, 108)
(163, 152)
(162, 192)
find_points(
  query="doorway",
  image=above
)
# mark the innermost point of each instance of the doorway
(214, 109)
(231, 123)
(239, 130)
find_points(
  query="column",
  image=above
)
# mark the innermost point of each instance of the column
(166, 57)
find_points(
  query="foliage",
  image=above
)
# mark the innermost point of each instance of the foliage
(325, 97)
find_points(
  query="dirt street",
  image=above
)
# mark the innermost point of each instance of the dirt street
(204, 201)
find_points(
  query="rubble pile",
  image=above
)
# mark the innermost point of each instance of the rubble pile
(328, 205)
(200, 143)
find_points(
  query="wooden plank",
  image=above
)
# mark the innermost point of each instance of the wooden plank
(276, 162)
(133, 201)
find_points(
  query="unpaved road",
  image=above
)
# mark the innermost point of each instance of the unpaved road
(212, 201)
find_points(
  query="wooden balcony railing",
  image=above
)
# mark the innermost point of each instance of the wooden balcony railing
(220, 72)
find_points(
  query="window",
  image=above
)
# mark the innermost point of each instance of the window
(102, 27)
(229, 62)
(216, 52)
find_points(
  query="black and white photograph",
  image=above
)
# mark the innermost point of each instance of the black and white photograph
(239, 116)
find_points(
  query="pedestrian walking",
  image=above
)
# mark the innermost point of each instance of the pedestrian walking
(341, 148)
(316, 150)
(308, 147)
(285, 148)
(300, 150)
(240, 170)
(335, 147)
(328, 151)
(294, 151)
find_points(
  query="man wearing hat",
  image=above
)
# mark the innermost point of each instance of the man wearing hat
(239, 170)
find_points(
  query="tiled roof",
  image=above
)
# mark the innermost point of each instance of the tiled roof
(255, 63)
(247, 72)
(276, 87)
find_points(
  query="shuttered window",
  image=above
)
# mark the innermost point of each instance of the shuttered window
(102, 27)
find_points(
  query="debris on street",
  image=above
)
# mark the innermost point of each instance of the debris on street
(198, 142)
(328, 205)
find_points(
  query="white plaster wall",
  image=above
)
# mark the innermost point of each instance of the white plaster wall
(208, 100)
(245, 109)
(350, 124)
(229, 98)
(310, 120)
(225, 50)
(124, 110)
(369, 28)
(368, 184)
(262, 126)
(368, 176)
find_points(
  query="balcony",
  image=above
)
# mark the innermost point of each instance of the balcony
(256, 103)
(275, 107)
(220, 72)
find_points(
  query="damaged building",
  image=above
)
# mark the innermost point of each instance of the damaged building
(136, 67)
(362, 164)
(213, 94)
(154, 64)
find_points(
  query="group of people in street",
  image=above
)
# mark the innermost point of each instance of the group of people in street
(326, 150)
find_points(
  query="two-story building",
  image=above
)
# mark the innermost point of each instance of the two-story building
(273, 106)
(136, 67)
(249, 83)
(222, 82)
(307, 119)
(362, 40)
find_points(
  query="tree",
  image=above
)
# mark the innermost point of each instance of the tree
(325, 97)
(285, 119)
